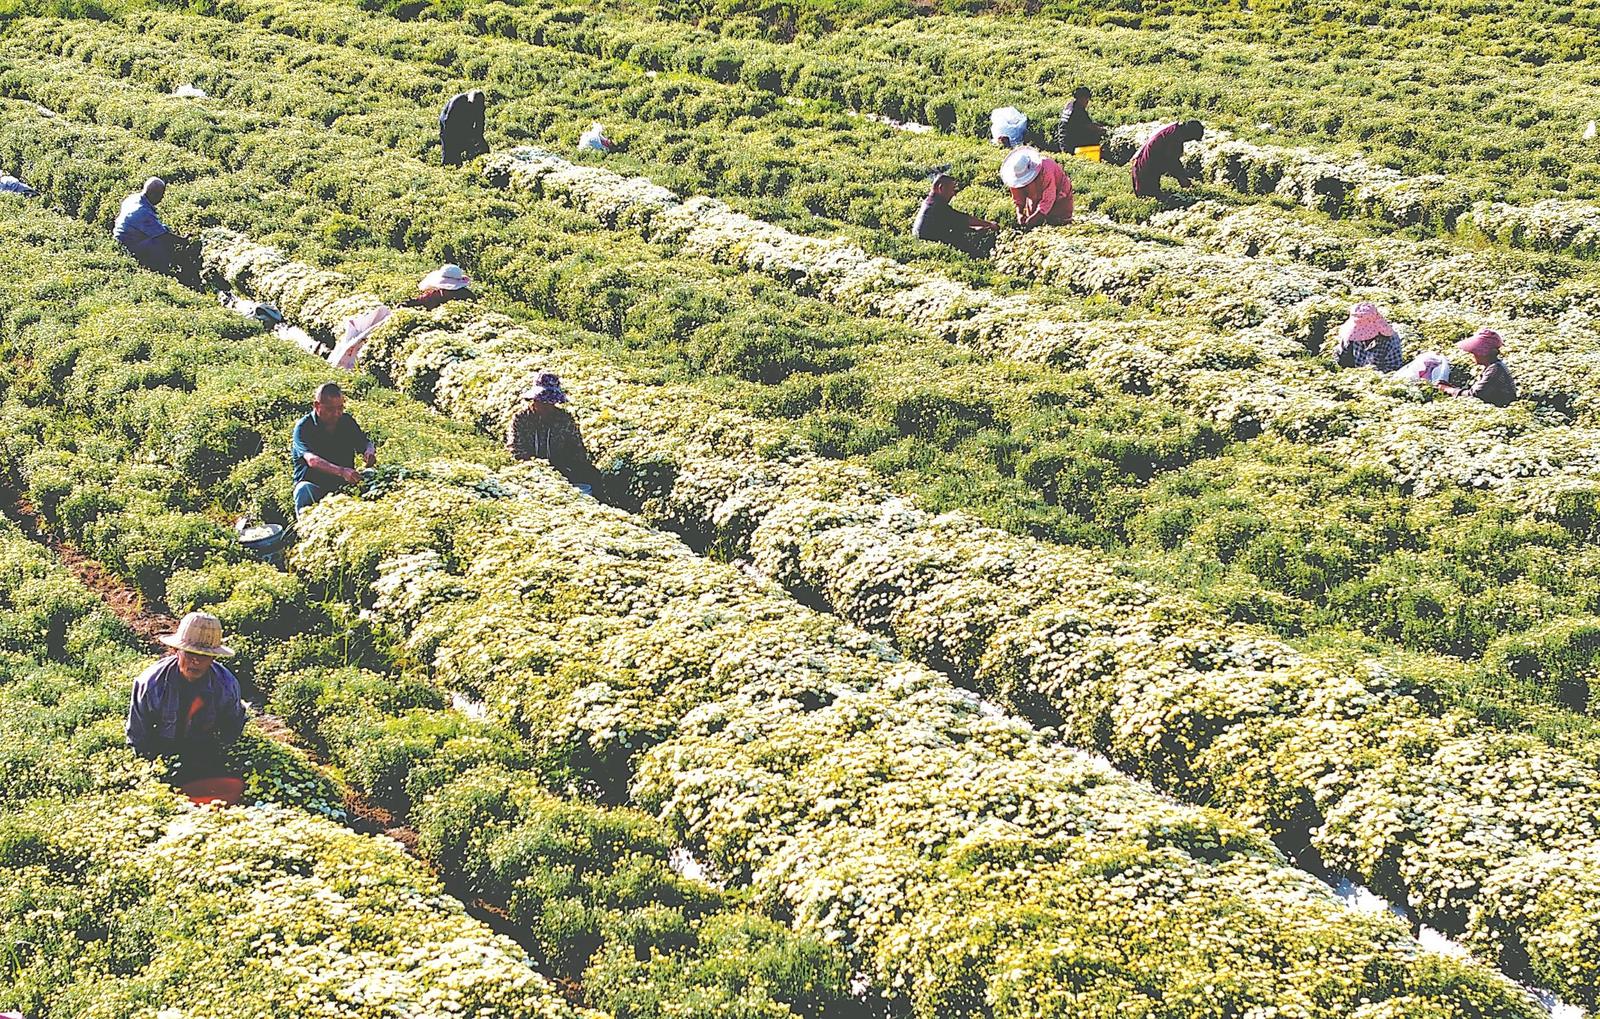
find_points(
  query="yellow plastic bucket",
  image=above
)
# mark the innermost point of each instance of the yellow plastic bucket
(1089, 152)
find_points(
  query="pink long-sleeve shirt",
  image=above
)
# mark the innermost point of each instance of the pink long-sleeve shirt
(1046, 199)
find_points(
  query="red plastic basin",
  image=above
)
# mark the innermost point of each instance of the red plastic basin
(224, 789)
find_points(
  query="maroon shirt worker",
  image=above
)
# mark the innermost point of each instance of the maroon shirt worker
(1162, 156)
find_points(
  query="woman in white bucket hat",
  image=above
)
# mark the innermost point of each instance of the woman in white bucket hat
(1040, 189)
(444, 284)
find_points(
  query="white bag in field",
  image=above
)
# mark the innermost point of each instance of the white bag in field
(1425, 367)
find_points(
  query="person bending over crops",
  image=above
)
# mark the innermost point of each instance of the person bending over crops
(1162, 156)
(442, 285)
(1494, 383)
(1367, 340)
(1040, 189)
(141, 231)
(461, 128)
(938, 221)
(187, 706)
(1007, 125)
(10, 185)
(1076, 128)
(326, 444)
(543, 429)
(595, 140)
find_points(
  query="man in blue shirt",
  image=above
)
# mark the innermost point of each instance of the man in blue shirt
(326, 443)
(187, 705)
(141, 231)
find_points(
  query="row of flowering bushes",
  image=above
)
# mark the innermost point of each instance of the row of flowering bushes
(1425, 443)
(122, 899)
(1552, 224)
(1048, 633)
(1417, 598)
(1456, 613)
(1314, 179)
(596, 639)
(972, 865)
(591, 888)
(950, 72)
(1338, 186)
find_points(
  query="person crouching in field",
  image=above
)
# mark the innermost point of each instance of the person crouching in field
(1367, 340)
(1076, 128)
(1040, 189)
(442, 285)
(1494, 384)
(325, 446)
(140, 230)
(938, 221)
(187, 705)
(542, 429)
(1162, 156)
(461, 128)
(10, 185)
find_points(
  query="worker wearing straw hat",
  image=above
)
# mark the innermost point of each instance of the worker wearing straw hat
(1040, 189)
(187, 704)
(1494, 384)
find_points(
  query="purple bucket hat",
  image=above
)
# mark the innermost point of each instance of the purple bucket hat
(546, 388)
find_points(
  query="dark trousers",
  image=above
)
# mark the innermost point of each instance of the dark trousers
(156, 253)
(458, 146)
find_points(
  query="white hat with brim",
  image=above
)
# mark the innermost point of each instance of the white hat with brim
(1020, 168)
(446, 277)
(200, 633)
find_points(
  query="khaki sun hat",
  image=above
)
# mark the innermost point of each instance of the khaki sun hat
(200, 633)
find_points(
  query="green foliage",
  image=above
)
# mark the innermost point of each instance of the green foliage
(604, 872)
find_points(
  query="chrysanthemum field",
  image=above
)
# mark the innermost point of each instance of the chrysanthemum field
(1052, 634)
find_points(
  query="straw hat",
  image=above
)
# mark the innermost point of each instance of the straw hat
(546, 388)
(200, 633)
(1020, 168)
(1483, 343)
(446, 277)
